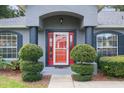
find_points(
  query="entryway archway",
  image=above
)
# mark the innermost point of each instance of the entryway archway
(61, 38)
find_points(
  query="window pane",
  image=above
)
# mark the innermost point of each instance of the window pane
(50, 47)
(107, 44)
(8, 45)
(100, 44)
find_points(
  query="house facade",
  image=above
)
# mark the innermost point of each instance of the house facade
(57, 29)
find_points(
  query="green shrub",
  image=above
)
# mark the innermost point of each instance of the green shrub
(112, 66)
(30, 77)
(30, 52)
(83, 53)
(85, 69)
(15, 64)
(5, 64)
(78, 77)
(98, 59)
(31, 66)
(31, 70)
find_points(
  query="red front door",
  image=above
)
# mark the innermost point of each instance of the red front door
(59, 47)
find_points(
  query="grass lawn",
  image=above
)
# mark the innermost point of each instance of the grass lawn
(12, 79)
(9, 83)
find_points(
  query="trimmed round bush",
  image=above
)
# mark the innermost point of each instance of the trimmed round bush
(112, 66)
(85, 69)
(31, 70)
(30, 52)
(83, 53)
(30, 77)
(78, 77)
(31, 66)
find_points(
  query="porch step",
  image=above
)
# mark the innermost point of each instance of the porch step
(57, 71)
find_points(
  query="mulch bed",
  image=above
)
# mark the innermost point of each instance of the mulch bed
(102, 77)
(16, 75)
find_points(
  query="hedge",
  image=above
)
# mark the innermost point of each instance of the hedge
(30, 77)
(79, 77)
(112, 66)
(85, 69)
(83, 53)
(30, 52)
(31, 66)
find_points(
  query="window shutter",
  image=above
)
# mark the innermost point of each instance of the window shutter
(120, 44)
(94, 40)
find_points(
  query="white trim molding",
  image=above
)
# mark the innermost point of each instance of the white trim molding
(110, 26)
(13, 26)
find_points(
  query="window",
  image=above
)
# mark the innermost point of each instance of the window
(107, 44)
(8, 45)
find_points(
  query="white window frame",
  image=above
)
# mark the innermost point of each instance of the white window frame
(12, 47)
(97, 47)
(54, 48)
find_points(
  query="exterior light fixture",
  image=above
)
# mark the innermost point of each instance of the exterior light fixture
(61, 20)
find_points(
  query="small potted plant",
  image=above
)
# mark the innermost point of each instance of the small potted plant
(83, 55)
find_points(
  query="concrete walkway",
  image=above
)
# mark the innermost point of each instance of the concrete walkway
(65, 81)
(99, 84)
(61, 78)
(61, 81)
(57, 71)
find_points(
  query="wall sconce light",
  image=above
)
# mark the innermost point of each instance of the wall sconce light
(61, 20)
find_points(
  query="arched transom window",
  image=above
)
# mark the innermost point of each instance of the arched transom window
(8, 45)
(107, 44)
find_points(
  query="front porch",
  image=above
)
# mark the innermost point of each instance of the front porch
(59, 33)
(57, 71)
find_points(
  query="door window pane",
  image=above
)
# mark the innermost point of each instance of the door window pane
(50, 47)
(60, 41)
(60, 48)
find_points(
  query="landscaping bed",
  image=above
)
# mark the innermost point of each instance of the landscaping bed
(14, 77)
(102, 77)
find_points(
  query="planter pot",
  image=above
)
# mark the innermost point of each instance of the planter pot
(94, 67)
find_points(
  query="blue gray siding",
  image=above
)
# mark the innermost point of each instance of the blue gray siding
(88, 12)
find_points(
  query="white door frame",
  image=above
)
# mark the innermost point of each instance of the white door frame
(54, 48)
